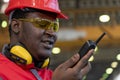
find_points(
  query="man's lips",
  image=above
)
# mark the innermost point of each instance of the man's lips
(48, 43)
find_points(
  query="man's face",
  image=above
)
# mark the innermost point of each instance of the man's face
(39, 42)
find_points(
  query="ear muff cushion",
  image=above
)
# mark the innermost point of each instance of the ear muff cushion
(22, 53)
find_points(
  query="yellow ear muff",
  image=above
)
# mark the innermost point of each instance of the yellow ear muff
(22, 53)
(46, 63)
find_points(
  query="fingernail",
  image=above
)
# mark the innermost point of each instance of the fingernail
(76, 55)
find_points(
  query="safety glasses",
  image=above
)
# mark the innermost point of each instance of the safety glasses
(43, 23)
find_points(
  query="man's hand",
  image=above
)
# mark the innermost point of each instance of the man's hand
(74, 68)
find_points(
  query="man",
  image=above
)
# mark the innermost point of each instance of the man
(33, 26)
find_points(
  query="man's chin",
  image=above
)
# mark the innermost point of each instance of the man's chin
(44, 55)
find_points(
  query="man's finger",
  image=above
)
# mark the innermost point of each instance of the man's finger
(83, 61)
(86, 69)
(71, 62)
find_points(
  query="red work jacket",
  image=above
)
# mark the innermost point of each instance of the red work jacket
(11, 71)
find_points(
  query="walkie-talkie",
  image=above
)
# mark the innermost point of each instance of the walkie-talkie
(89, 45)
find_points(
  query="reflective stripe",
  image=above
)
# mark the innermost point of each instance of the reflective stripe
(35, 73)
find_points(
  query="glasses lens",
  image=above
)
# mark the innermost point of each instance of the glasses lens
(44, 24)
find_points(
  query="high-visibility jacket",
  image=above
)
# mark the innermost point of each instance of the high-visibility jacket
(11, 71)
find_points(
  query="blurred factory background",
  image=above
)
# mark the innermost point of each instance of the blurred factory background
(88, 19)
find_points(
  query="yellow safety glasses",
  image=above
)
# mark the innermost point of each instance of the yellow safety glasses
(43, 23)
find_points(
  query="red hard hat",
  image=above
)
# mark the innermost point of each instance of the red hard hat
(47, 5)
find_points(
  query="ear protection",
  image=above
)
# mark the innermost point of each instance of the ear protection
(20, 55)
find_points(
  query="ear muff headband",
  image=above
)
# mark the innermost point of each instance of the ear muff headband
(22, 53)
(46, 63)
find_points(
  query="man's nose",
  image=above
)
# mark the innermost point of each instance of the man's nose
(50, 31)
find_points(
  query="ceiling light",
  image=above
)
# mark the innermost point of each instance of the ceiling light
(56, 50)
(4, 24)
(109, 70)
(4, 6)
(91, 58)
(118, 57)
(114, 64)
(5, 1)
(104, 18)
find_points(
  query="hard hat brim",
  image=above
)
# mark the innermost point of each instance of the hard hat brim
(61, 15)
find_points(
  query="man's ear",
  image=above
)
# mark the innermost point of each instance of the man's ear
(16, 26)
